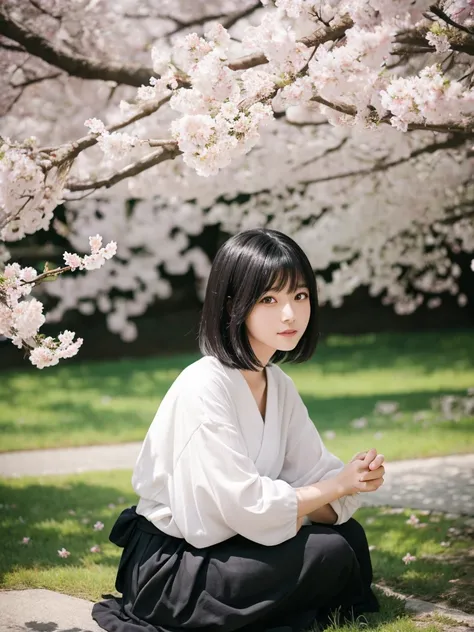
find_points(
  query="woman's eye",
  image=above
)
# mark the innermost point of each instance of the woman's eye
(303, 294)
(267, 299)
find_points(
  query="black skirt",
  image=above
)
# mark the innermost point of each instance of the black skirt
(169, 585)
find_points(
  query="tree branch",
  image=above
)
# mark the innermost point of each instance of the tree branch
(443, 16)
(165, 153)
(69, 151)
(182, 25)
(33, 80)
(46, 275)
(416, 42)
(446, 128)
(240, 15)
(331, 150)
(75, 65)
(454, 142)
(315, 39)
(38, 6)
(13, 47)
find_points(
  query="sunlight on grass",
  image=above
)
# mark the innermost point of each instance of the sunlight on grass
(114, 402)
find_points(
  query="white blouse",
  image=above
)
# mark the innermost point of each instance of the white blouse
(210, 467)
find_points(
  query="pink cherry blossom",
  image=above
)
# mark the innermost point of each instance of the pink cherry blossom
(98, 526)
(439, 40)
(355, 98)
(63, 553)
(95, 125)
(95, 549)
(73, 260)
(413, 520)
(408, 558)
(95, 243)
(26, 540)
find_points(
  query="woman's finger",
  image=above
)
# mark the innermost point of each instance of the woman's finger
(370, 456)
(359, 455)
(377, 462)
(373, 475)
(371, 486)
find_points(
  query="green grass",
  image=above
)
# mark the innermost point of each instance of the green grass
(40, 508)
(114, 402)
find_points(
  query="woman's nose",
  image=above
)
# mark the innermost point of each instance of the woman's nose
(287, 312)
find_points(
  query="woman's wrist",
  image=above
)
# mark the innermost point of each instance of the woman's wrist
(323, 515)
(316, 495)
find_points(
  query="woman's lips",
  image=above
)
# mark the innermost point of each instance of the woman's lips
(288, 333)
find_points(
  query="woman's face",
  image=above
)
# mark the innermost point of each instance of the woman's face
(275, 313)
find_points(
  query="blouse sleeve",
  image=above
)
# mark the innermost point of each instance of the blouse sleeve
(216, 490)
(307, 460)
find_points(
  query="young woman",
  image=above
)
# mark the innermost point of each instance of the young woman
(244, 520)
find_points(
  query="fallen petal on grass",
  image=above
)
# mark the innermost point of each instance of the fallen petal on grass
(408, 558)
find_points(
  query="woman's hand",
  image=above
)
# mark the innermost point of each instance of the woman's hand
(364, 473)
(373, 465)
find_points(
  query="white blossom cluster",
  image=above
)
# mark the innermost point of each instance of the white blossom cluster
(29, 192)
(389, 229)
(96, 259)
(135, 271)
(213, 131)
(21, 320)
(430, 97)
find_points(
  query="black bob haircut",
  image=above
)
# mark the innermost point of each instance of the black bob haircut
(245, 267)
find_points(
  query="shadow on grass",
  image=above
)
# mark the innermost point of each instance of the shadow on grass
(43, 513)
(437, 574)
(425, 352)
(85, 420)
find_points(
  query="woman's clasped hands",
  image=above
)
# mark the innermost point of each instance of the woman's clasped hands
(364, 473)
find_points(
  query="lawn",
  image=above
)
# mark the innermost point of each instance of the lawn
(114, 402)
(68, 512)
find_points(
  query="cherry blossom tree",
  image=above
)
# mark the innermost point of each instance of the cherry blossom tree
(347, 123)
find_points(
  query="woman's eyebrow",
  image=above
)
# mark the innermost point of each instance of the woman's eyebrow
(298, 287)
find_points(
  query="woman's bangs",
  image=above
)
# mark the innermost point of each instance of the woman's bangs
(283, 272)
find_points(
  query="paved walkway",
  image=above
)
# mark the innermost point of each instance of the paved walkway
(47, 611)
(443, 483)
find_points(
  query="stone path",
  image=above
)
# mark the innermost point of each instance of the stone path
(42, 610)
(45, 611)
(440, 483)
